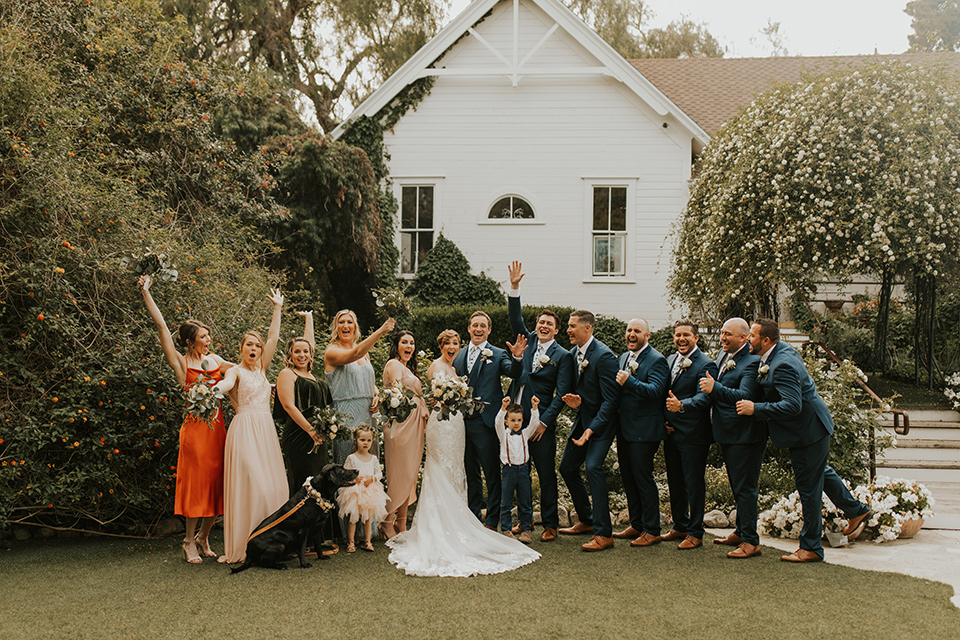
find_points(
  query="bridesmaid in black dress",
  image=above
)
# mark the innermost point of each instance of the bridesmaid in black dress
(298, 390)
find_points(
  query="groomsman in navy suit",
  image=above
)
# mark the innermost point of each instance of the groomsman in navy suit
(548, 375)
(643, 378)
(595, 397)
(742, 439)
(689, 435)
(483, 364)
(798, 418)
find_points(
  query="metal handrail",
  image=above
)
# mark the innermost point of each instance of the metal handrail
(897, 413)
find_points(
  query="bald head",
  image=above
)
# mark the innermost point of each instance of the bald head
(638, 333)
(733, 334)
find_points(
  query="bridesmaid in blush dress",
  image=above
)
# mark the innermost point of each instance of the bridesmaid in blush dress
(199, 494)
(350, 375)
(403, 442)
(255, 484)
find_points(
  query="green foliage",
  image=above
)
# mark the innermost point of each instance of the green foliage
(844, 174)
(681, 38)
(109, 146)
(444, 278)
(936, 25)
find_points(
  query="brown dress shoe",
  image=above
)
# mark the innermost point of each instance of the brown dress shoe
(673, 534)
(598, 543)
(854, 523)
(802, 555)
(516, 529)
(732, 540)
(629, 532)
(548, 535)
(645, 540)
(525, 537)
(577, 529)
(489, 527)
(690, 543)
(745, 550)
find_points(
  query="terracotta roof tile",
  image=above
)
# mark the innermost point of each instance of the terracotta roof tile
(714, 90)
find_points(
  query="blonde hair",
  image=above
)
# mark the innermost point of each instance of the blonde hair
(255, 334)
(334, 336)
(361, 429)
(288, 354)
(446, 336)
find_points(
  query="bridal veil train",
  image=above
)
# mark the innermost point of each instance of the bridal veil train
(446, 538)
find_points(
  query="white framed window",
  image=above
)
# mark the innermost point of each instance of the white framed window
(511, 207)
(609, 230)
(417, 217)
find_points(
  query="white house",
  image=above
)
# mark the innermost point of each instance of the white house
(539, 142)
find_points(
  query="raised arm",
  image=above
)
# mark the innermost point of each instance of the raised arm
(337, 356)
(273, 336)
(229, 380)
(308, 328)
(514, 314)
(176, 361)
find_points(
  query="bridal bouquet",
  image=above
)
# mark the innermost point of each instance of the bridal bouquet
(453, 395)
(397, 402)
(203, 399)
(329, 424)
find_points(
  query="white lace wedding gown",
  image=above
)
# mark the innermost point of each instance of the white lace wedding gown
(446, 538)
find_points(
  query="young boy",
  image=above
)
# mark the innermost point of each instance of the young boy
(515, 456)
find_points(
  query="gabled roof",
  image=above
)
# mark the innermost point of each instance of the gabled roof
(614, 64)
(713, 90)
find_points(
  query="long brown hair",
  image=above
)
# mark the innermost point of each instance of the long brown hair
(395, 351)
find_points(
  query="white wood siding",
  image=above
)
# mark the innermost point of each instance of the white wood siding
(546, 139)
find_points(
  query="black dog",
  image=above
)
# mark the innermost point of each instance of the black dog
(281, 534)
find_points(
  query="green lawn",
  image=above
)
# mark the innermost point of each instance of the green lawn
(93, 588)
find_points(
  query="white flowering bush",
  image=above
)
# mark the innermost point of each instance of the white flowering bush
(893, 502)
(785, 518)
(847, 173)
(951, 389)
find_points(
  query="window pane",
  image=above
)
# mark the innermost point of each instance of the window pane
(500, 210)
(616, 257)
(424, 244)
(408, 208)
(522, 209)
(618, 209)
(601, 246)
(408, 243)
(601, 208)
(426, 207)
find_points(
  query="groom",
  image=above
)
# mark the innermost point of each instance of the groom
(483, 364)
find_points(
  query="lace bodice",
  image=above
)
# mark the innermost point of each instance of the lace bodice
(252, 388)
(446, 440)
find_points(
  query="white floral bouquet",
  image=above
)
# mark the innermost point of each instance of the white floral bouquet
(453, 395)
(329, 424)
(396, 402)
(204, 399)
(893, 502)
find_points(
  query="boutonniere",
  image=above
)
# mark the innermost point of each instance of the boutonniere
(685, 363)
(545, 360)
(633, 366)
(762, 371)
(583, 365)
(729, 364)
(486, 354)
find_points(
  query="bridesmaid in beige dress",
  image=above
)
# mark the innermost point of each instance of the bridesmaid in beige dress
(254, 481)
(403, 442)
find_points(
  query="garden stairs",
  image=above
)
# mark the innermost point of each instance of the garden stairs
(929, 453)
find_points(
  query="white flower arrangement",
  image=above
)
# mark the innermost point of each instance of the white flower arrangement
(951, 389)
(545, 360)
(785, 518)
(486, 354)
(685, 363)
(396, 402)
(632, 366)
(329, 424)
(204, 399)
(453, 395)
(729, 364)
(893, 502)
(762, 371)
(584, 364)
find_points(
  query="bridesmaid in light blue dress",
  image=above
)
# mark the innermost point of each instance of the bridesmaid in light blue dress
(350, 375)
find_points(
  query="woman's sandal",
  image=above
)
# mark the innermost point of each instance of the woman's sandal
(351, 547)
(367, 546)
(192, 559)
(387, 530)
(204, 545)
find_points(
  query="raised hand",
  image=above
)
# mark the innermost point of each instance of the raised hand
(706, 383)
(505, 403)
(145, 281)
(515, 275)
(534, 402)
(304, 314)
(387, 326)
(276, 297)
(673, 404)
(519, 347)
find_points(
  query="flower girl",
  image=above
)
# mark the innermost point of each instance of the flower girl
(366, 500)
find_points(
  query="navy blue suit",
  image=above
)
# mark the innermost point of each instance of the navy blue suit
(482, 451)
(549, 383)
(640, 430)
(599, 393)
(743, 439)
(799, 419)
(685, 450)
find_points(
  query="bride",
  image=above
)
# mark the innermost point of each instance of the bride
(446, 538)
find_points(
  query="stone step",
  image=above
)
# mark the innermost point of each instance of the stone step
(922, 443)
(926, 431)
(901, 455)
(927, 415)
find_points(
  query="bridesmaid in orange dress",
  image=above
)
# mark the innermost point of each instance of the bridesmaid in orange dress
(403, 442)
(199, 494)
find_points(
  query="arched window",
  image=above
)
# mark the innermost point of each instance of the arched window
(511, 208)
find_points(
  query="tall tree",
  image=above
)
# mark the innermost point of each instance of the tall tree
(682, 38)
(331, 51)
(936, 25)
